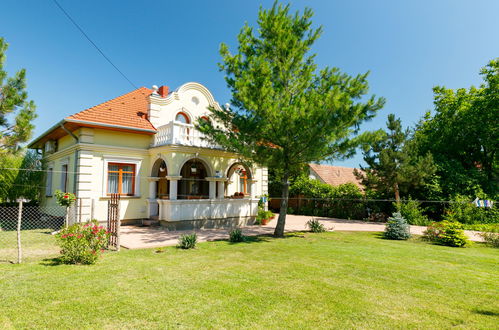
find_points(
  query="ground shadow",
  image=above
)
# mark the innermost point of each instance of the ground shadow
(51, 261)
(485, 312)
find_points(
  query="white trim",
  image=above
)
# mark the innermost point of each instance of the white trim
(125, 160)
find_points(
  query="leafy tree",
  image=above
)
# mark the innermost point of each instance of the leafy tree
(463, 136)
(392, 165)
(21, 176)
(14, 102)
(285, 113)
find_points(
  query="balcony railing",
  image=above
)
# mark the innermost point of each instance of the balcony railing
(183, 134)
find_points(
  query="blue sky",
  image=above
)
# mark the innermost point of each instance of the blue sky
(409, 47)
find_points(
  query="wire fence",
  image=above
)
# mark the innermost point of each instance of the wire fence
(27, 230)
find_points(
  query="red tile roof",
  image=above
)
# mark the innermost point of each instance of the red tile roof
(128, 110)
(335, 175)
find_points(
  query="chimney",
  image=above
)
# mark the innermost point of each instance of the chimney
(163, 91)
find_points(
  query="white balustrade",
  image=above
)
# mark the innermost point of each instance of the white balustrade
(183, 134)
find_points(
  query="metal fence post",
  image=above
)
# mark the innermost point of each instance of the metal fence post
(19, 217)
(118, 229)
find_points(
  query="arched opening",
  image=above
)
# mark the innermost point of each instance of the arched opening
(183, 118)
(239, 184)
(193, 184)
(160, 171)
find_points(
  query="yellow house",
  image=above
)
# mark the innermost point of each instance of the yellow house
(143, 145)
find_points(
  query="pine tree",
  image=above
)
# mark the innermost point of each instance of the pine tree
(285, 113)
(392, 163)
(14, 102)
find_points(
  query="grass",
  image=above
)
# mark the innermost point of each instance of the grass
(328, 280)
(36, 245)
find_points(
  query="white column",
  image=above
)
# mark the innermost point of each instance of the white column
(213, 189)
(173, 185)
(221, 190)
(253, 192)
(152, 187)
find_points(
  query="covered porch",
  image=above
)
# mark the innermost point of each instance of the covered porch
(195, 199)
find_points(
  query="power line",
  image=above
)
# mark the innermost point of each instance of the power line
(93, 43)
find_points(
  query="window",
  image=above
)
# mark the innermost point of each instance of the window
(182, 118)
(48, 184)
(121, 179)
(64, 177)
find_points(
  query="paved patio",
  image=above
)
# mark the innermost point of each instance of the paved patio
(133, 237)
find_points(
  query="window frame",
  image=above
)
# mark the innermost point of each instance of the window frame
(48, 181)
(137, 162)
(120, 177)
(64, 177)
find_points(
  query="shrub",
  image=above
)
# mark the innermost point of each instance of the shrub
(448, 233)
(464, 211)
(412, 212)
(263, 216)
(315, 226)
(491, 238)
(236, 235)
(187, 241)
(64, 198)
(82, 243)
(397, 228)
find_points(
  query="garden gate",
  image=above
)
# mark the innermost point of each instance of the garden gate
(113, 220)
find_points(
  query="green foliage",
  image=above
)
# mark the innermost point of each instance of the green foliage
(464, 211)
(345, 201)
(491, 238)
(448, 233)
(393, 167)
(64, 198)
(463, 134)
(315, 226)
(236, 235)
(187, 241)
(21, 176)
(397, 228)
(412, 212)
(14, 104)
(82, 243)
(285, 112)
(263, 216)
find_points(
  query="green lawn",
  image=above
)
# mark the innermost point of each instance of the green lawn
(331, 280)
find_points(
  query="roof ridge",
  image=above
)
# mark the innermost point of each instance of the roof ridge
(110, 100)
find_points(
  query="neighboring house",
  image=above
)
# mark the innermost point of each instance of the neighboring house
(143, 145)
(333, 175)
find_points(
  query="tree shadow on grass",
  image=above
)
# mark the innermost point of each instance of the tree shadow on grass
(52, 262)
(267, 238)
(485, 312)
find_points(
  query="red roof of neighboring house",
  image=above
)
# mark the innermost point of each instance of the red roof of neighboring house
(335, 175)
(129, 110)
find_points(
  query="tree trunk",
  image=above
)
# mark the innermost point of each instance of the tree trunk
(281, 222)
(397, 193)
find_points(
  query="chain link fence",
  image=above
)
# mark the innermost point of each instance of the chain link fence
(27, 230)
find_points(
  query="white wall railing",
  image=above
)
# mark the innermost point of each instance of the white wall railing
(183, 134)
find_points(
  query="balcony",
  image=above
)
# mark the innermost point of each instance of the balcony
(182, 134)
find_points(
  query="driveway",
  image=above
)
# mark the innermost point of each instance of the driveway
(133, 237)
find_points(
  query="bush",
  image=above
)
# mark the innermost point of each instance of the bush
(448, 233)
(263, 216)
(64, 198)
(315, 226)
(491, 238)
(397, 228)
(464, 211)
(236, 235)
(187, 241)
(82, 243)
(412, 212)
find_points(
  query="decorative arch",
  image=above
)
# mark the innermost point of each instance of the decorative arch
(240, 177)
(206, 162)
(200, 88)
(193, 184)
(160, 171)
(183, 117)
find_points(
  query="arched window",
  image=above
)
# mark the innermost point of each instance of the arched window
(182, 118)
(239, 180)
(193, 184)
